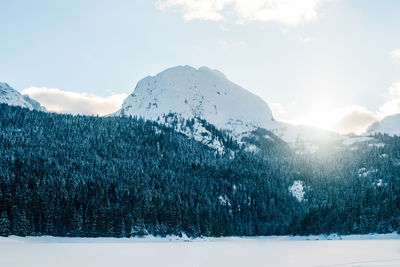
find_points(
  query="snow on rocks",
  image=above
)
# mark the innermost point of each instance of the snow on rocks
(379, 183)
(12, 97)
(194, 128)
(364, 172)
(224, 201)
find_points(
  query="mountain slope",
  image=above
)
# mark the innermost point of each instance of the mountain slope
(67, 175)
(188, 93)
(198, 93)
(389, 125)
(12, 97)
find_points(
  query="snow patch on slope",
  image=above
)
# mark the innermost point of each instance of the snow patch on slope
(297, 190)
(193, 128)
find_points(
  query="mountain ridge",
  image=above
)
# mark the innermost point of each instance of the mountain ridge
(12, 97)
(389, 125)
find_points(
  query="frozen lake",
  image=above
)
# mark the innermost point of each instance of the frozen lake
(369, 250)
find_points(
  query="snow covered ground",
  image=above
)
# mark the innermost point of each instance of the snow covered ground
(366, 250)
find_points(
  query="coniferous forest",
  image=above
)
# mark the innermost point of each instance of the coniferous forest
(89, 176)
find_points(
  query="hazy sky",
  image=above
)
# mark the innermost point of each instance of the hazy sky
(329, 63)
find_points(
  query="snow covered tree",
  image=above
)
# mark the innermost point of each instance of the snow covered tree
(5, 229)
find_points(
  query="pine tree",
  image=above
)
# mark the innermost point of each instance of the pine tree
(5, 229)
(20, 224)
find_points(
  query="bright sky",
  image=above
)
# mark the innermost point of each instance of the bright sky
(334, 64)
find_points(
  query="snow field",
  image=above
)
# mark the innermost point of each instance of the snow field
(369, 250)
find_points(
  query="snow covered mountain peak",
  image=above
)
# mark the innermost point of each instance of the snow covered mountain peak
(389, 125)
(12, 97)
(198, 93)
(213, 72)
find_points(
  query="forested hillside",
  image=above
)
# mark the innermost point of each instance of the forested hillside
(90, 176)
(352, 190)
(69, 175)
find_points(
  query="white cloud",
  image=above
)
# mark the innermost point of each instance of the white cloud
(395, 53)
(194, 9)
(354, 119)
(360, 116)
(393, 106)
(346, 119)
(394, 90)
(75, 103)
(287, 12)
(390, 108)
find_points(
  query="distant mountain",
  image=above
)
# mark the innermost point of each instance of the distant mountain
(198, 93)
(12, 97)
(389, 125)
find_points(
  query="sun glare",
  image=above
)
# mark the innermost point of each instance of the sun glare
(323, 120)
(321, 115)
